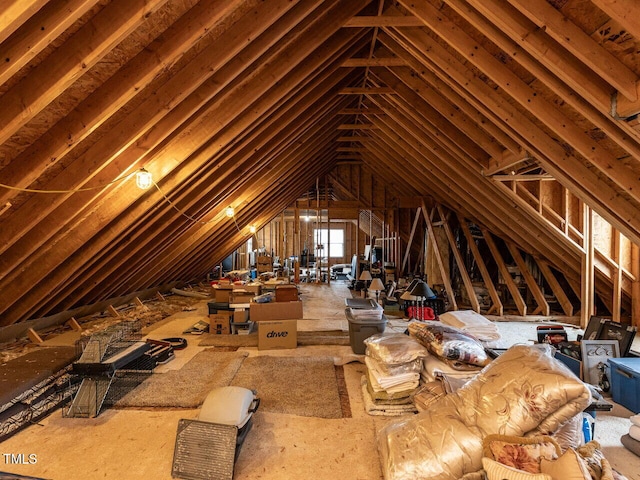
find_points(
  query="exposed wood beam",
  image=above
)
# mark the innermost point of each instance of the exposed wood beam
(573, 38)
(617, 277)
(523, 178)
(416, 219)
(152, 114)
(444, 117)
(556, 288)
(373, 62)
(436, 251)
(507, 160)
(15, 13)
(230, 103)
(490, 136)
(535, 50)
(587, 287)
(497, 306)
(66, 64)
(570, 79)
(38, 32)
(357, 111)
(625, 12)
(534, 288)
(355, 138)
(365, 91)
(384, 21)
(619, 211)
(504, 272)
(351, 149)
(106, 100)
(635, 287)
(466, 279)
(356, 126)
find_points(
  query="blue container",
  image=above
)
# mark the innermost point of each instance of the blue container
(625, 382)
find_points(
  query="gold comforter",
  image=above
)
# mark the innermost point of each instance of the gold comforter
(523, 392)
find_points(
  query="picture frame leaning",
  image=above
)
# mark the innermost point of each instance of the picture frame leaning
(595, 356)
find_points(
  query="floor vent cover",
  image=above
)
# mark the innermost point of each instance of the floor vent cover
(204, 451)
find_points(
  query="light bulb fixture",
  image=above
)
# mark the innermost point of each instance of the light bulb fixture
(143, 179)
(252, 228)
(230, 212)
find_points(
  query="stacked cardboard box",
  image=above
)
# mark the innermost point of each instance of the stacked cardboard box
(277, 323)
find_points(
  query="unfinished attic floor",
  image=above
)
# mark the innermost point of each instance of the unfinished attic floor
(138, 442)
(132, 442)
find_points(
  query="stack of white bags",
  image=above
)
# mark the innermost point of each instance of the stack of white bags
(394, 362)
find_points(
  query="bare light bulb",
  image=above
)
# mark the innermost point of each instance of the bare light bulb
(143, 179)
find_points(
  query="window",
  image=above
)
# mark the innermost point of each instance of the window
(321, 237)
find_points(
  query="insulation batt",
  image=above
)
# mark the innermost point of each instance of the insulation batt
(523, 392)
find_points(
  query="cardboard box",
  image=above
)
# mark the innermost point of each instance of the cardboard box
(221, 293)
(261, 312)
(286, 293)
(241, 315)
(220, 322)
(255, 288)
(274, 334)
(240, 297)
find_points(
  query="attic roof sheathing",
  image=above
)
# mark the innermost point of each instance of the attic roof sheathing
(243, 103)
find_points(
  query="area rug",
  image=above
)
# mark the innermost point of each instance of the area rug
(328, 337)
(187, 387)
(304, 386)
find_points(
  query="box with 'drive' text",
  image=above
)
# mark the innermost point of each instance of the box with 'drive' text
(274, 334)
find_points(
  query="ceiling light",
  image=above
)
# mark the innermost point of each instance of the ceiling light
(230, 212)
(252, 229)
(143, 179)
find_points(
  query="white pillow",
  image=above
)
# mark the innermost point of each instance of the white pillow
(570, 466)
(498, 471)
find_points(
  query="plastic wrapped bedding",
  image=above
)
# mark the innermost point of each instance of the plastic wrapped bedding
(523, 392)
(449, 343)
(435, 368)
(394, 349)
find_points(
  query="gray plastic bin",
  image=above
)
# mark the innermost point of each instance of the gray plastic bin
(360, 330)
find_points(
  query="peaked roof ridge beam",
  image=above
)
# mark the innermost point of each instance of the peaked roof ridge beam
(373, 62)
(65, 65)
(383, 21)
